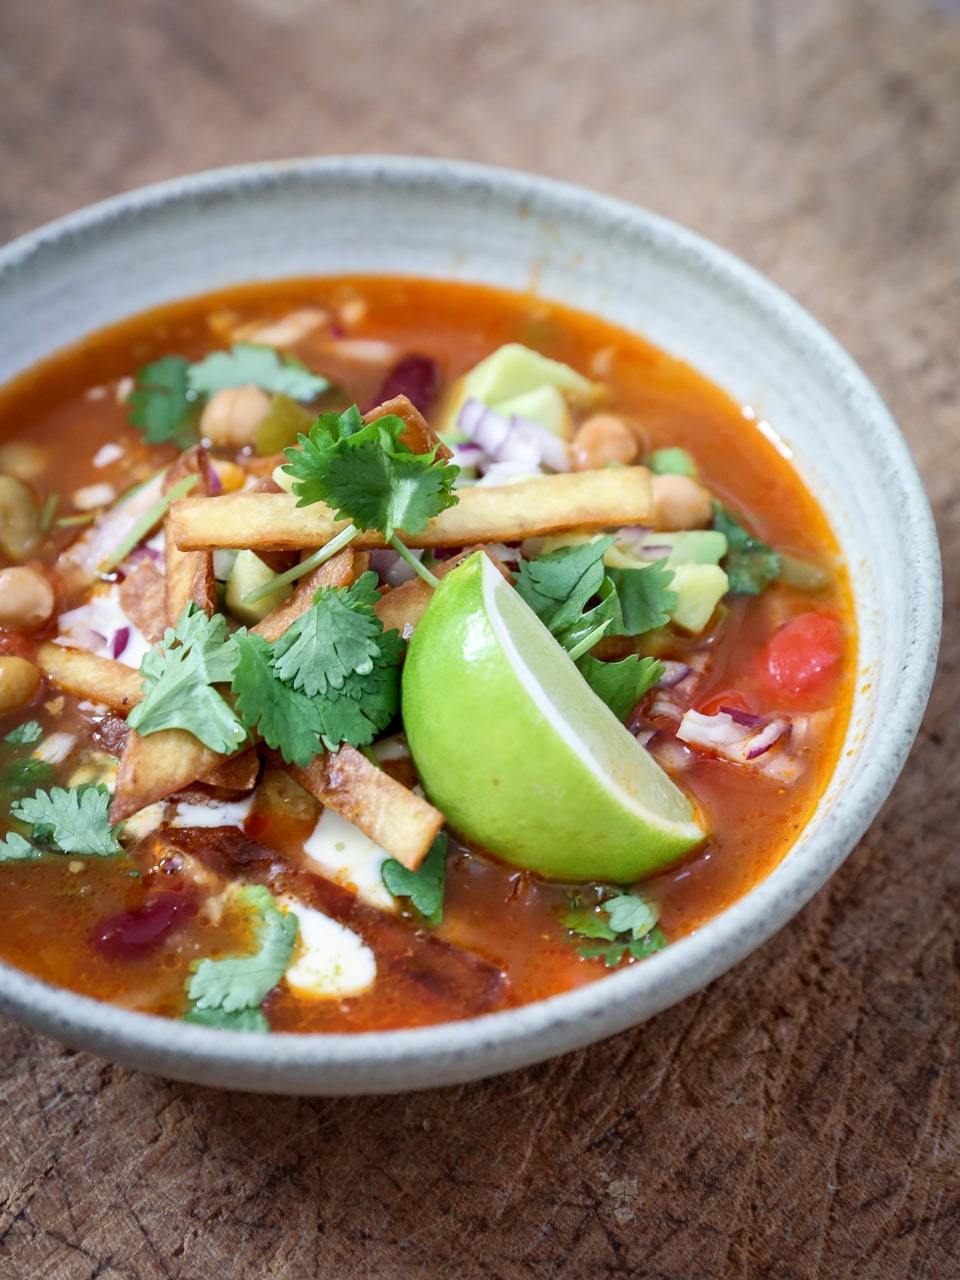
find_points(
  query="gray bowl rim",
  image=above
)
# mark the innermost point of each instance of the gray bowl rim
(530, 1033)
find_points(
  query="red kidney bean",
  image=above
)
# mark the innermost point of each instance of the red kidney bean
(129, 933)
(415, 377)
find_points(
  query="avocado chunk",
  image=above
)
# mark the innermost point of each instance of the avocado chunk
(544, 406)
(699, 588)
(248, 573)
(690, 546)
(515, 370)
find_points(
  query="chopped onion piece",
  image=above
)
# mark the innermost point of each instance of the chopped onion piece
(673, 673)
(512, 439)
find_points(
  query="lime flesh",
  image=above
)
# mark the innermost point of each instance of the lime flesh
(520, 754)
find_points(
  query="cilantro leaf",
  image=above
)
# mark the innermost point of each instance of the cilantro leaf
(557, 586)
(20, 776)
(622, 684)
(14, 848)
(178, 683)
(332, 677)
(367, 703)
(241, 1020)
(646, 601)
(368, 475)
(73, 821)
(611, 953)
(287, 720)
(241, 982)
(162, 404)
(751, 564)
(623, 925)
(424, 887)
(631, 913)
(589, 922)
(336, 638)
(246, 362)
(24, 734)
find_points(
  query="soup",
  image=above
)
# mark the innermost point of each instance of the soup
(377, 652)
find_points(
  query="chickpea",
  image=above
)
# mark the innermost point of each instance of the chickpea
(19, 520)
(26, 599)
(19, 681)
(602, 439)
(680, 503)
(232, 415)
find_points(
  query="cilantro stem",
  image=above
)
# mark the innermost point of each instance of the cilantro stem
(153, 515)
(343, 539)
(588, 641)
(48, 512)
(430, 579)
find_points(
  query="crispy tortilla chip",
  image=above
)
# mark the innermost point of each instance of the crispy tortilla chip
(143, 598)
(395, 818)
(188, 574)
(506, 513)
(238, 773)
(86, 676)
(401, 608)
(339, 571)
(419, 436)
(155, 767)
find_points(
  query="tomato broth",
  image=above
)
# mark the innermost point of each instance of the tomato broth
(133, 927)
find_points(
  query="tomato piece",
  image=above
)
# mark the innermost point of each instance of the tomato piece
(803, 656)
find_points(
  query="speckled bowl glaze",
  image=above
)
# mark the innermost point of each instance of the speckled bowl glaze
(438, 218)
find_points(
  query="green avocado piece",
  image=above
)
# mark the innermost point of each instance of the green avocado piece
(248, 573)
(689, 546)
(515, 370)
(699, 588)
(545, 406)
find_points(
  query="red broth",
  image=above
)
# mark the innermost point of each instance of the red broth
(110, 928)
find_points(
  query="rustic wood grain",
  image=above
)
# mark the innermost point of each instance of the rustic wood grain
(799, 1120)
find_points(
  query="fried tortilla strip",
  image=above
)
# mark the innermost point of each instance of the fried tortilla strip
(506, 513)
(86, 676)
(392, 816)
(237, 773)
(188, 574)
(142, 599)
(401, 608)
(422, 969)
(419, 436)
(154, 767)
(340, 571)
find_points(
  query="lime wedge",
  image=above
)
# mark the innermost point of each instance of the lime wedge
(517, 750)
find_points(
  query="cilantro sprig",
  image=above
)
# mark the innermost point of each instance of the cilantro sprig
(750, 564)
(371, 478)
(332, 677)
(169, 393)
(621, 684)
(622, 926)
(423, 887)
(24, 735)
(62, 820)
(228, 992)
(178, 680)
(580, 600)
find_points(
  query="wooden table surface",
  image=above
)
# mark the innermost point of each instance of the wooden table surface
(797, 1120)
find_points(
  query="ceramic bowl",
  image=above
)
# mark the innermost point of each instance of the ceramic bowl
(452, 220)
